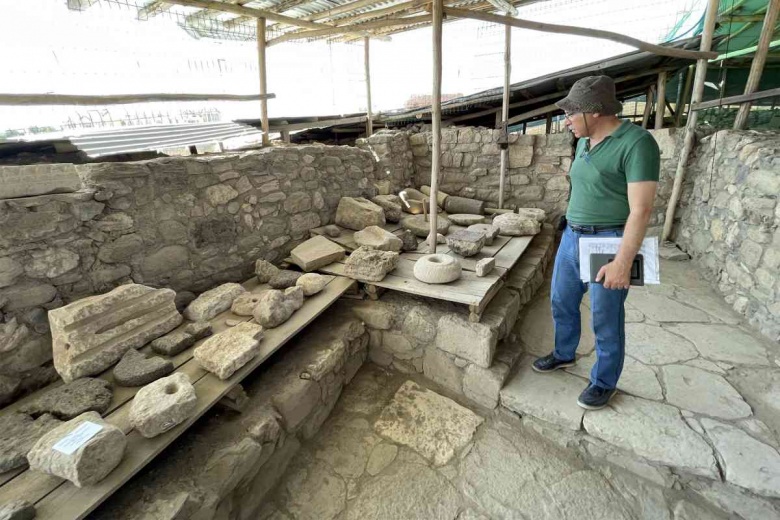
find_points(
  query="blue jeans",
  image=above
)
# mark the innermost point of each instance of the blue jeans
(607, 312)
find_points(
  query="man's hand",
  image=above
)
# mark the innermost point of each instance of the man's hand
(615, 275)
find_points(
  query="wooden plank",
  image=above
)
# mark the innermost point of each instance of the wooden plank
(344, 29)
(246, 11)
(469, 289)
(508, 256)
(68, 501)
(34, 486)
(733, 100)
(66, 99)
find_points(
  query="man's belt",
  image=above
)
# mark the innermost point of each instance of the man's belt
(592, 230)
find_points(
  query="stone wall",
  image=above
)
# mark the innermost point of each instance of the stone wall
(416, 335)
(729, 221)
(536, 176)
(227, 463)
(187, 223)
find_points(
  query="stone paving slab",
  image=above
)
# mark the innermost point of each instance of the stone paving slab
(636, 379)
(654, 345)
(551, 397)
(700, 391)
(660, 308)
(723, 343)
(431, 424)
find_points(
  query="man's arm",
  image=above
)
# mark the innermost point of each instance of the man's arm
(617, 274)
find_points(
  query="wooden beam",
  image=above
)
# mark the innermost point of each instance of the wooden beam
(505, 111)
(437, 17)
(683, 100)
(246, 11)
(153, 9)
(660, 104)
(261, 68)
(698, 90)
(292, 127)
(357, 28)
(757, 67)
(80, 5)
(369, 116)
(580, 31)
(742, 98)
(533, 113)
(67, 99)
(740, 18)
(548, 123)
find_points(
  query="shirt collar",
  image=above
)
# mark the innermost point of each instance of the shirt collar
(619, 132)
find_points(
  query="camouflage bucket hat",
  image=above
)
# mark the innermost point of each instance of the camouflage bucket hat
(592, 94)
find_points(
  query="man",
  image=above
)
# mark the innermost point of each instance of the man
(613, 182)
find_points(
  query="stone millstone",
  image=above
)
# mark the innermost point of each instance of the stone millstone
(182, 338)
(276, 307)
(535, 213)
(17, 510)
(464, 205)
(265, 270)
(284, 279)
(70, 400)
(437, 269)
(490, 231)
(408, 241)
(245, 304)
(422, 228)
(392, 206)
(91, 334)
(466, 243)
(312, 283)
(515, 225)
(226, 352)
(441, 197)
(18, 433)
(376, 237)
(317, 252)
(135, 369)
(91, 462)
(465, 219)
(359, 213)
(161, 405)
(214, 301)
(370, 265)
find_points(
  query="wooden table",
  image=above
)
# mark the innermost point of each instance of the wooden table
(56, 498)
(469, 289)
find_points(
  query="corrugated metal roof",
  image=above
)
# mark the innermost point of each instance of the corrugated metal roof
(154, 138)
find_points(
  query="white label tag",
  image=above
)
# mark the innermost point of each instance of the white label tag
(77, 438)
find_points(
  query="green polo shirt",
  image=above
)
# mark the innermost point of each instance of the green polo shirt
(600, 177)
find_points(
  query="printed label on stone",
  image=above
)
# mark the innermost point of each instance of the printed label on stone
(77, 438)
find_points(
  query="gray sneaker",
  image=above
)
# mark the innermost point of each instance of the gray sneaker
(594, 397)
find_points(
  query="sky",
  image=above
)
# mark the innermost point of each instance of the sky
(105, 50)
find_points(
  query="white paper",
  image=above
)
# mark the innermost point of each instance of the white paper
(77, 438)
(610, 245)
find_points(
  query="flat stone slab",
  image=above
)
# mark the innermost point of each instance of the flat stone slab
(636, 378)
(723, 343)
(654, 345)
(357, 213)
(226, 352)
(465, 242)
(317, 252)
(654, 431)
(748, 462)
(376, 237)
(135, 369)
(466, 219)
(422, 228)
(551, 397)
(18, 433)
(700, 391)
(182, 338)
(660, 308)
(39, 179)
(214, 301)
(70, 400)
(434, 426)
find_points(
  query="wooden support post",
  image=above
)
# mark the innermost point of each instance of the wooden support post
(690, 127)
(369, 116)
(548, 125)
(660, 104)
(263, 83)
(685, 96)
(757, 67)
(505, 110)
(525, 128)
(648, 106)
(285, 136)
(437, 18)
